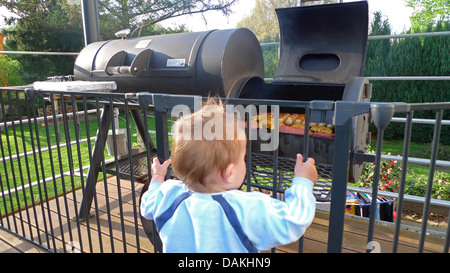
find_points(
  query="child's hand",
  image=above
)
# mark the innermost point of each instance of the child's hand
(159, 170)
(305, 169)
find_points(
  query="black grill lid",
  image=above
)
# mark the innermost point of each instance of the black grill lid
(323, 43)
(208, 63)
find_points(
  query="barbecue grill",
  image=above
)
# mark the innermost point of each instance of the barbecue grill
(322, 57)
(216, 62)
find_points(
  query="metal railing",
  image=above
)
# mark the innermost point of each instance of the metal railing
(49, 194)
(382, 116)
(36, 171)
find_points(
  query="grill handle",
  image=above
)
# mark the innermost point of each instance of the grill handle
(140, 63)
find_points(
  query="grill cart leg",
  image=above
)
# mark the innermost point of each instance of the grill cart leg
(139, 121)
(97, 156)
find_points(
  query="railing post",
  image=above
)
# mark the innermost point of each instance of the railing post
(382, 114)
(339, 186)
(344, 112)
(401, 190)
(433, 157)
(162, 131)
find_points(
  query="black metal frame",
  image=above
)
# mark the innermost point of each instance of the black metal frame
(340, 112)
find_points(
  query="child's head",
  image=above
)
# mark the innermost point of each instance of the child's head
(205, 143)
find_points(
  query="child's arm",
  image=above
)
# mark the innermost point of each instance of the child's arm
(274, 222)
(159, 170)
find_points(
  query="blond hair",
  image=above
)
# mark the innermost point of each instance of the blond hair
(193, 158)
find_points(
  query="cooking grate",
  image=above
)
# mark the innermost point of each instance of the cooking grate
(262, 175)
(261, 172)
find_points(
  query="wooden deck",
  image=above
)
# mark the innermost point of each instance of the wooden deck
(120, 236)
(11, 243)
(110, 234)
(355, 237)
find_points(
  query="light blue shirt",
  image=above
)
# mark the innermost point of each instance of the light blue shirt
(199, 224)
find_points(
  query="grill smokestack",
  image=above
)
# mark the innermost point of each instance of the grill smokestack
(90, 21)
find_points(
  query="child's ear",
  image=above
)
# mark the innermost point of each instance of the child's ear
(227, 173)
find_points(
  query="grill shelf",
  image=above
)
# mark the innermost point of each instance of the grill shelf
(139, 161)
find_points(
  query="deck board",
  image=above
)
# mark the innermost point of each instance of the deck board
(108, 232)
(355, 237)
(12, 243)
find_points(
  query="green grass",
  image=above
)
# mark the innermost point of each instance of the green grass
(36, 166)
(418, 150)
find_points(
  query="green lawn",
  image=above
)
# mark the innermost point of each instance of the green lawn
(36, 166)
(418, 150)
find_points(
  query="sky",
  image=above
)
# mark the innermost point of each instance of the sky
(394, 10)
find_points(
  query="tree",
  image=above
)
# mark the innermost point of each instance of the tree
(428, 12)
(263, 20)
(56, 25)
(10, 72)
(419, 56)
(114, 15)
(51, 25)
(378, 50)
(436, 62)
(141, 15)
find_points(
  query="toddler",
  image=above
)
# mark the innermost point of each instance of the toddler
(206, 211)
